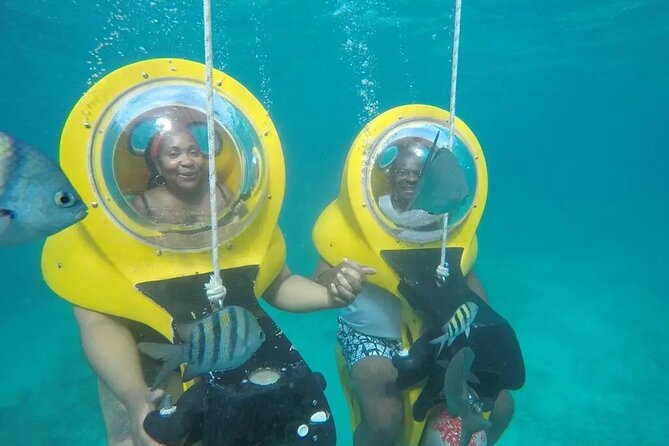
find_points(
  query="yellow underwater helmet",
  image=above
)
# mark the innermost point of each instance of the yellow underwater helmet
(123, 262)
(355, 225)
(100, 263)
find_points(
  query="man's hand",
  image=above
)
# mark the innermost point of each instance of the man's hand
(420, 363)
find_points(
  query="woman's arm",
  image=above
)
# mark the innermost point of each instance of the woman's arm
(298, 294)
(111, 351)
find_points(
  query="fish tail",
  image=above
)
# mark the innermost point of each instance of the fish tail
(441, 347)
(441, 340)
(170, 354)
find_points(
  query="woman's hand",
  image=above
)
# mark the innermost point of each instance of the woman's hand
(138, 414)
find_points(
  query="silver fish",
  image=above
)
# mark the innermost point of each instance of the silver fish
(460, 399)
(36, 198)
(459, 323)
(223, 340)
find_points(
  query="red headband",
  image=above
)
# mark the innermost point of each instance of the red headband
(153, 150)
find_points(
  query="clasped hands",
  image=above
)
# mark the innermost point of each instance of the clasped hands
(345, 281)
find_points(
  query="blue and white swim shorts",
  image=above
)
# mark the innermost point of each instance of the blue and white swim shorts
(356, 346)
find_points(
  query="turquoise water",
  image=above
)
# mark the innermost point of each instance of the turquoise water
(566, 98)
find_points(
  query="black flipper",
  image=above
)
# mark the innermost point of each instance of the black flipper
(499, 361)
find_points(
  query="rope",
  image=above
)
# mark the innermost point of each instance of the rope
(215, 289)
(442, 268)
(454, 74)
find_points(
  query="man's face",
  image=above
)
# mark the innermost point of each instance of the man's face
(404, 176)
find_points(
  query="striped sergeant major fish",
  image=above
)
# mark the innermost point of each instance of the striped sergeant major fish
(224, 340)
(459, 323)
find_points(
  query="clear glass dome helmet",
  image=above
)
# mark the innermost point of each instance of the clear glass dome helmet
(139, 138)
(411, 180)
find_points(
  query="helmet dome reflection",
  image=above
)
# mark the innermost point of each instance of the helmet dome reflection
(154, 159)
(413, 179)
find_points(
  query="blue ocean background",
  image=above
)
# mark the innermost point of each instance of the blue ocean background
(568, 100)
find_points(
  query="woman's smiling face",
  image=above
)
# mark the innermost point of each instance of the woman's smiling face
(180, 161)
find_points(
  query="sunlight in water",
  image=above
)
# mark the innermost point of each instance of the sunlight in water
(357, 30)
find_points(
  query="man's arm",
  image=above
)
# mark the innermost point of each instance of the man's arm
(474, 284)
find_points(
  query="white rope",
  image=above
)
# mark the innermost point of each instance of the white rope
(215, 289)
(454, 74)
(442, 268)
